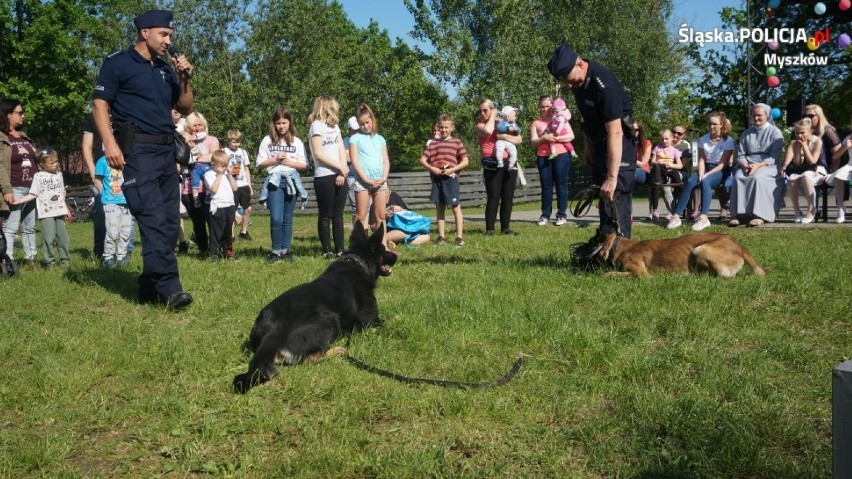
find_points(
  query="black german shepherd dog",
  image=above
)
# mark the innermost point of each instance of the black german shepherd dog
(303, 322)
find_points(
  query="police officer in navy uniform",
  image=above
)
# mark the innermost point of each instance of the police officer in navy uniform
(609, 146)
(139, 90)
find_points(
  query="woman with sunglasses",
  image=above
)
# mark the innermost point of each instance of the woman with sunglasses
(499, 180)
(832, 150)
(18, 166)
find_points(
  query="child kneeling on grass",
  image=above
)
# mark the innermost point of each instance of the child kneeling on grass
(48, 189)
(444, 157)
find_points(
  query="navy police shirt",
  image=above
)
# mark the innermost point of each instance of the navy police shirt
(139, 91)
(601, 99)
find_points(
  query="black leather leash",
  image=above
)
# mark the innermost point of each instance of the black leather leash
(437, 382)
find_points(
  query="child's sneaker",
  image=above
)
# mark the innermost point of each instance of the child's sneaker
(561, 220)
(702, 223)
(674, 222)
(245, 235)
(122, 263)
(108, 263)
(543, 221)
(440, 240)
(459, 242)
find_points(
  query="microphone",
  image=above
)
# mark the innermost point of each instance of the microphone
(175, 54)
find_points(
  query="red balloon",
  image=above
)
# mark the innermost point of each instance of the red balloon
(845, 4)
(773, 81)
(770, 12)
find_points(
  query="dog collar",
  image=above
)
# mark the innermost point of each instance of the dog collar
(614, 247)
(355, 259)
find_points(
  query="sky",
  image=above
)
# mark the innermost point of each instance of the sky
(393, 16)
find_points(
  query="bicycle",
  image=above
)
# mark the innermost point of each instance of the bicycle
(80, 211)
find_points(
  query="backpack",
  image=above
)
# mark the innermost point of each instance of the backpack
(410, 223)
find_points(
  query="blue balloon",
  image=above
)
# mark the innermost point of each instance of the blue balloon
(774, 3)
(776, 113)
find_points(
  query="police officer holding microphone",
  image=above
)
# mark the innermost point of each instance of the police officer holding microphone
(139, 90)
(607, 123)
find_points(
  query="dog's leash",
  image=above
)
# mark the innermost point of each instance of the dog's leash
(516, 367)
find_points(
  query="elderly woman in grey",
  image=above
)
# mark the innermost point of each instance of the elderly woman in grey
(757, 187)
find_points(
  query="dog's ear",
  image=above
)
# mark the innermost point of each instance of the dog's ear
(378, 236)
(359, 233)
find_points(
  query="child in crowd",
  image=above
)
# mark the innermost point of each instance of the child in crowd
(801, 165)
(48, 189)
(238, 162)
(117, 217)
(561, 116)
(665, 162)
(368, 156)
(444, 158)
(507, 125)
(221, 184)
(203, 145)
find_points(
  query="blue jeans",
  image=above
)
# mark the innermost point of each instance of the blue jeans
(282, 207)
(24, 216)
(710, 183)
(552, 172)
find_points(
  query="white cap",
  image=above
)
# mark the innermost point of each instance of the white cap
(507, 109)
(353, 123)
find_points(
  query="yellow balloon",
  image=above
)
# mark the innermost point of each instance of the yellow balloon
(812, 44)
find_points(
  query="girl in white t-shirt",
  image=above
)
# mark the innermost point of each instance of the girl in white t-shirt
(714, 156)
(48, 189)
(283, 156)
(330, 171)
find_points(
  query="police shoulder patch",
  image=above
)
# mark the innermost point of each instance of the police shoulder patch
(114, 53)
(600, 83)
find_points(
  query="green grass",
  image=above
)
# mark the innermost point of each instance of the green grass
(673, 376)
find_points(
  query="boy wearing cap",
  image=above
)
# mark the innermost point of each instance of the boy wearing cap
(610, 148)
(139, 90)
(507, 125)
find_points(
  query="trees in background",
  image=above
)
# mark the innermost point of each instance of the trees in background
(252, 56)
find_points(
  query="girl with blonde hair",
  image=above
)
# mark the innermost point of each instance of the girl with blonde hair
(330, 171)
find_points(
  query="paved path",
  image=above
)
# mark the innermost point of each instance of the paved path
(641, 211)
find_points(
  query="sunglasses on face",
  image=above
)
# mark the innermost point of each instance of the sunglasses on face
(678, 133)
(809, 115)
(485, 110)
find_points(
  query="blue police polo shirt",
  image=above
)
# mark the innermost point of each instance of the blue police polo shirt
(139, 91)
(601, 99)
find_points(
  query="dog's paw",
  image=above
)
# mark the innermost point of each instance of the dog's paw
(335, 351)
(242, 383)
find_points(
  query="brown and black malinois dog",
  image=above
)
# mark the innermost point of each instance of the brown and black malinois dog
(716, 253)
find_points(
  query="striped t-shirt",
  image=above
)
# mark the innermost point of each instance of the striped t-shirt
(443, 153)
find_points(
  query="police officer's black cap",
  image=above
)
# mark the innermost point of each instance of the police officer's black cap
(562, 62)
(153, 19)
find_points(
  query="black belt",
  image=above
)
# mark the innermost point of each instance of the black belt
(155, 139)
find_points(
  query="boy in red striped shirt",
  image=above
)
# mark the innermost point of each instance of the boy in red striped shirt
(444, 157)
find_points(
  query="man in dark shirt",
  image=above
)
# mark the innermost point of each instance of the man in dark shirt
(609, 145)
(139, 90)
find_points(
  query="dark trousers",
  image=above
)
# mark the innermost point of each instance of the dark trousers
(660, 176)
(500, 190)
(99, 227)
(331, 201)
(618, 214)
(221, 225)
(150, 185)
(198, 216)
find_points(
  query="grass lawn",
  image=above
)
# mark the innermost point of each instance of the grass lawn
(673, 376)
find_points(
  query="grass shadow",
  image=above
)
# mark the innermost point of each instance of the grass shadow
(438, 260)
(117, 281)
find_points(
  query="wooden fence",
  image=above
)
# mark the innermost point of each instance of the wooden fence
(414, 188)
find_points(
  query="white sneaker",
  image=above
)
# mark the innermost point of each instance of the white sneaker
(841, 215)
(798, 217)
(674, 222)
(807, 219)
(561, 220)
(543, 221)
(702, 223)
